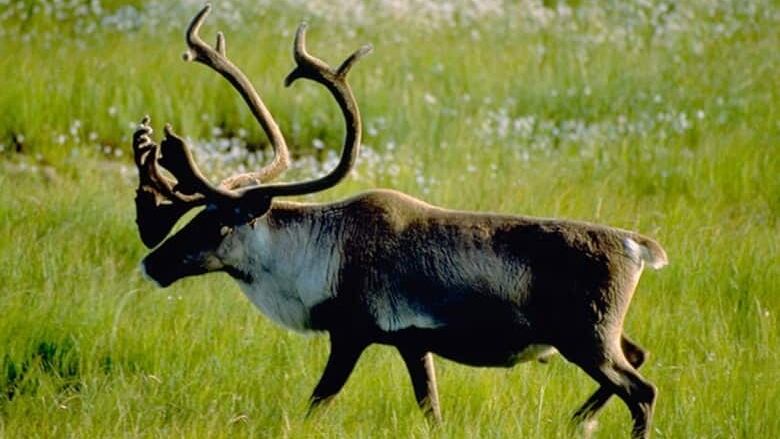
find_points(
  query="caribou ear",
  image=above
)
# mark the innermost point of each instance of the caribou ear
(259, 207)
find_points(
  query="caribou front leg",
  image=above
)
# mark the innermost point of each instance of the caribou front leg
(420, 366)
(344, 354)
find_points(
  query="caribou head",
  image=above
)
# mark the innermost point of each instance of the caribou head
(161, 201)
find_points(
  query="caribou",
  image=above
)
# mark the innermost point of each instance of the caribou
(382, 267)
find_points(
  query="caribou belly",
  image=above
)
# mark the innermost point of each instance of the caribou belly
(495, 354)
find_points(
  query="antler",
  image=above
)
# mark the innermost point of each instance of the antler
(335, 80)
(216, 58)
(161, 201)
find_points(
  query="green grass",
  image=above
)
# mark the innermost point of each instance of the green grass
(675, 135)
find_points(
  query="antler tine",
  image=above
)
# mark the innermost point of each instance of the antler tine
(146, 154)
(346, 66)
(307, 66)
(216, 59)
(221, 49)
(313, 68)
(177, 158)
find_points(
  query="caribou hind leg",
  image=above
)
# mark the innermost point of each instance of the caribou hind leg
(610, 367)
(636, 356)
(420, 366)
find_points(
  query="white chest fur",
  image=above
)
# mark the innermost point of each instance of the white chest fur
(291, 270)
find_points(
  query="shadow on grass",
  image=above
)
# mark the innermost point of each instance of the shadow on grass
(59, 361)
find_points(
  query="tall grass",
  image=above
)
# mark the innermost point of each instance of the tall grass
(655, 118)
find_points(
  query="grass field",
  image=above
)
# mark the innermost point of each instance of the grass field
(652, 116)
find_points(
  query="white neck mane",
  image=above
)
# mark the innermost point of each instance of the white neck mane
(291, 268)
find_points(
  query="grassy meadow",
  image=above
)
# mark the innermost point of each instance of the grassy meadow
(652, 116)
